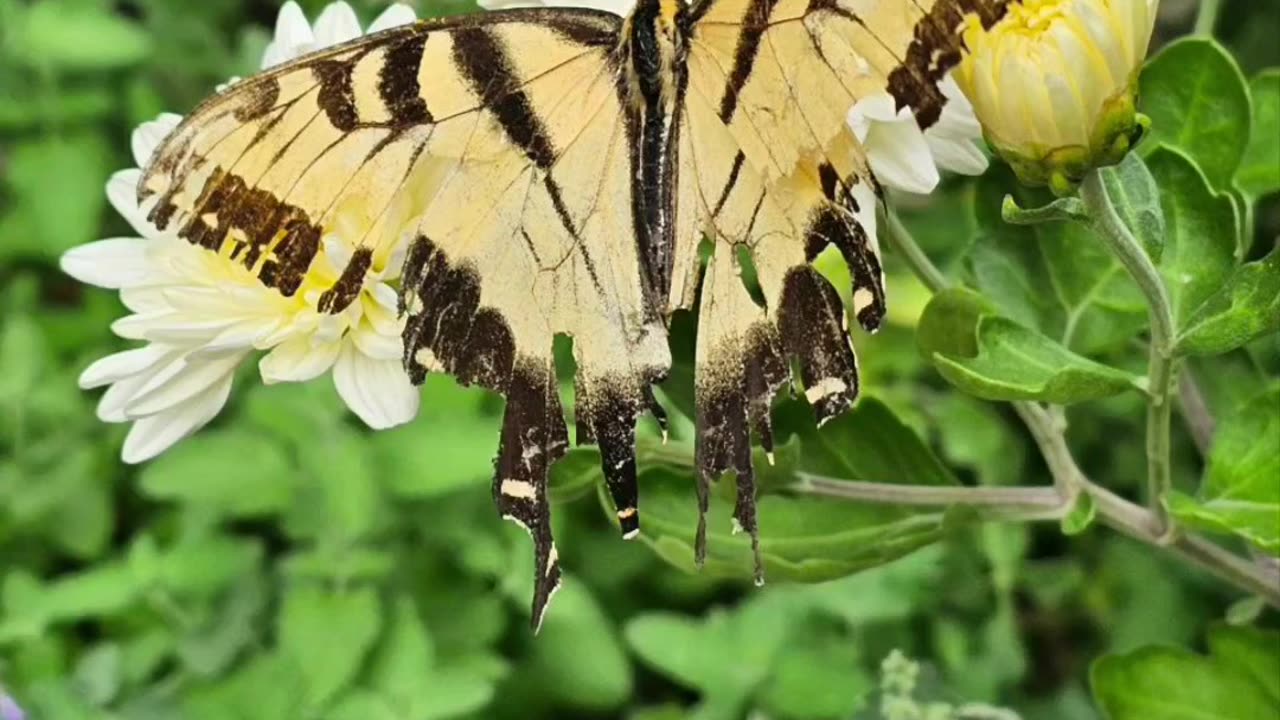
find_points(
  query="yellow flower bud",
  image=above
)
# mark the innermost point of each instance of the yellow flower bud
(1054, 83)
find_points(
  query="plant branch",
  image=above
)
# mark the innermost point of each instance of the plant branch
(1140, 524)
(1162, 371)
(1047, 427)
(1207, 17)
(1195, 411)
(1026, 503)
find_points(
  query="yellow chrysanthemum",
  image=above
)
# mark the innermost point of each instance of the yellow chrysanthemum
(1054, 83)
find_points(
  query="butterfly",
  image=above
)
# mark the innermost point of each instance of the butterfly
(555, 172)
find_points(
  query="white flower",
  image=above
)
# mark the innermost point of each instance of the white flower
(901, 156)
(202, 315)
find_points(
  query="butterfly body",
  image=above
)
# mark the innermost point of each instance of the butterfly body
(553, 172)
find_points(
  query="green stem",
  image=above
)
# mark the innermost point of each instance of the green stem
(1044, 500)
(1195, 410)
(1161, 368)
(901, 241)
(1207, 17)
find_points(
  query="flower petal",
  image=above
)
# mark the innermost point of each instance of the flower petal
(112, 403)
(394, 16)
(122, 192)
(377, 391)
(148, 136)
(122, 365)
(900, 157)
(377, 345)
(152, 435)
(870, 110)
(292, 32)
(337, 24)
(113, 264)
(185, 379)
(958, 156)
(298, 360)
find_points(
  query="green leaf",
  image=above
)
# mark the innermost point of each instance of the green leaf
(340, 465)
(78, 36)
(1251, 652)
(1200, 250)
(805, 538)
(24, 354)
(1173, 684)
(1136, 198)
(408, 683)
(326, 636)
(57, 185)
(1081, 517)
(1239, 493)
(230, 472)
(725, 656)
(1198, 102)
(1259, 174)
(1060, 210)
(1006, 361)
(98, 675)
(1055, 278)
(451, 446)
(204, 565)
(404, 656)
(868, 443)
(578, 659)
(817, 674)
(574, 475)
(1246, 308)
(213, 648)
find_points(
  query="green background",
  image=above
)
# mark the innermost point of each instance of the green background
(287, 563)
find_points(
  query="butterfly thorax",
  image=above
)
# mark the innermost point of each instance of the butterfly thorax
(653, 44)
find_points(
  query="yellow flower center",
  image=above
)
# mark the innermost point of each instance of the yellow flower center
(1034, 17)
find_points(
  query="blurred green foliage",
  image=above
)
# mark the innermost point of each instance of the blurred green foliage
(286, 563)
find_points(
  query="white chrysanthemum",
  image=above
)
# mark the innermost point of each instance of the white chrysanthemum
(901, 156)
(202, 314)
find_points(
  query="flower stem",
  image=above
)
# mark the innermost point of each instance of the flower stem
(901, 240)
(1162, 370)
(1207, 17)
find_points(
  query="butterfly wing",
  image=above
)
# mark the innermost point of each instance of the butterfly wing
(769, 168)
(497, 148)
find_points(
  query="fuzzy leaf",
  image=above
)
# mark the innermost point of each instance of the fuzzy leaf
(1136, 198)
(1006, 361)
(1240, 493)
(1200, 248)
(1247, 307)
(1259, 174)
(1198, 102)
